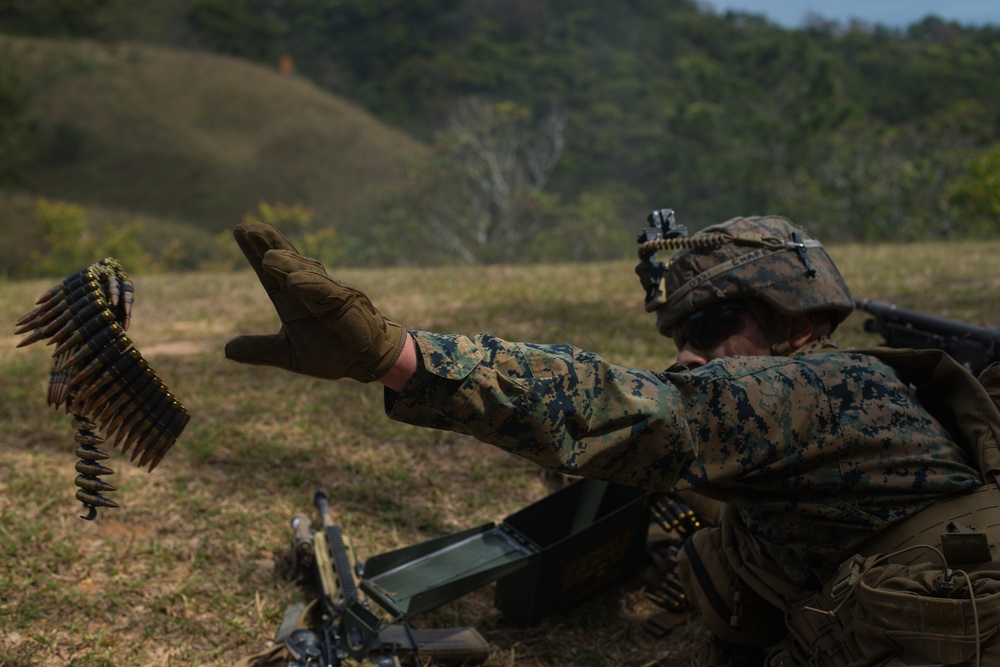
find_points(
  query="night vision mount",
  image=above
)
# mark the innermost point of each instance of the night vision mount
(662, 226)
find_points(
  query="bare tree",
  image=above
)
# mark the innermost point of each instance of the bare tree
(494, 163)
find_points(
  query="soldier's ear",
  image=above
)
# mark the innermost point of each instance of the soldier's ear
(800, 328)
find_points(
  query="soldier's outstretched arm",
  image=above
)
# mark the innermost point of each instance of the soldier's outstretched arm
(404, 368)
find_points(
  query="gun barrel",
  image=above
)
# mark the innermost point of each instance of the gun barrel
(972, 346)
(323, 505)
(938, 325)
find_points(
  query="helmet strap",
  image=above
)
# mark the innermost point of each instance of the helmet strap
(768, 322)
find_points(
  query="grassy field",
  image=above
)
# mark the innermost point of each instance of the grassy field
(191, 569)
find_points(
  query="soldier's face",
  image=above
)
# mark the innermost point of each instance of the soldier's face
(747, 339)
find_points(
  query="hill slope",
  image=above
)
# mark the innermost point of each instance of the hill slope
(197, 138)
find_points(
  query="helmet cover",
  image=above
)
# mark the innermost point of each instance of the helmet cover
(766, 258)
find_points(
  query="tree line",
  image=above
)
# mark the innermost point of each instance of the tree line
(557, 124)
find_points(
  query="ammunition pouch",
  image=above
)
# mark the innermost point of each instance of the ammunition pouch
(905, 601)
(883, 613)
(926, 614)
(729, 608)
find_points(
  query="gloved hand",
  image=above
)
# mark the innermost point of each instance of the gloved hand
(329, 329)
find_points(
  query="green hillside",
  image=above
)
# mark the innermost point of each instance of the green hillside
(176, 137)
(553, 126)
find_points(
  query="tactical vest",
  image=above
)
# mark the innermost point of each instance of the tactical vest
(927, 590)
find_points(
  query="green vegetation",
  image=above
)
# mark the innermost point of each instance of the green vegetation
(859, 132)
(190, 570)
(147, 130)
(183, 145)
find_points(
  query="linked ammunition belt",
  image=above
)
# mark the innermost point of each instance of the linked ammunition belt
(677, 522)
(100, 378)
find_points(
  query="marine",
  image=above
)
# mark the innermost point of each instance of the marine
(809, 452)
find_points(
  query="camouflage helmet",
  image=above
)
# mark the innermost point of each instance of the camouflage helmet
(766, 259)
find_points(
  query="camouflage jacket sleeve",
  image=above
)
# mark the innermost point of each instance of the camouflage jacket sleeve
(786, 418)
(827, 443)
(556, 405)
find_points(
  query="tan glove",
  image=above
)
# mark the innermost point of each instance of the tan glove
(329, 329)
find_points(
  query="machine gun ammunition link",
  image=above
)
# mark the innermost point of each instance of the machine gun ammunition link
(100, 378)
(89, 481)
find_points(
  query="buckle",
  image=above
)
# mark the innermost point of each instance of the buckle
(848, 576)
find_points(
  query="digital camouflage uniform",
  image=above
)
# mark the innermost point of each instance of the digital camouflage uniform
(813, 451)
(817, 451)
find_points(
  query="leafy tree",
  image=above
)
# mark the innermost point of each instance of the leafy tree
(70, 245)
(248, 29)
(712, 114)
(380, 52)
(17, 136)
(975, 194)
(494, 161)
(61, 18)
(586, 229)
(862, 131)
(295, 222)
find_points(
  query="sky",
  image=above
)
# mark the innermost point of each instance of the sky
(892, 13)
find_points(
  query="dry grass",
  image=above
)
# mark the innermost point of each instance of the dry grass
(190, 570)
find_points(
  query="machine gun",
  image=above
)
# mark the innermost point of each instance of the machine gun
(974, 347)
(544, 558)
(350, 633)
